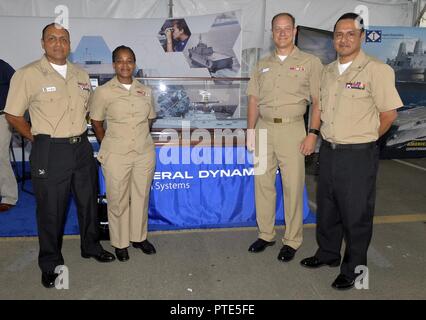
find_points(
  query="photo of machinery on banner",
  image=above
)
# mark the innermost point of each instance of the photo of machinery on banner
(189, 50)
(403, 49)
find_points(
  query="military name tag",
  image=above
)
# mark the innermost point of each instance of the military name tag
(297, 68)
(49, 89)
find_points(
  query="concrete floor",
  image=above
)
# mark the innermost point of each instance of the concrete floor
(215, 264)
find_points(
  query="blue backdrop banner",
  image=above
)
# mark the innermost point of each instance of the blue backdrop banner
(403, 49)
(206, 187)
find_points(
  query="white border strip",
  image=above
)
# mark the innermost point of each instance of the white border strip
(409, 164)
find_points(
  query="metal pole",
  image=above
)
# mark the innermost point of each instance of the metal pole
(170, 8)
(419, 18)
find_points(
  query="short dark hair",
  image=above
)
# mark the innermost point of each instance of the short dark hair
(283, 14)
(115, 52)
(181, 25)
(57, 25)
(351, 16)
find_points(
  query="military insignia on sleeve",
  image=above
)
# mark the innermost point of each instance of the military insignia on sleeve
(84, 86)
(355, 85)
(297, 68)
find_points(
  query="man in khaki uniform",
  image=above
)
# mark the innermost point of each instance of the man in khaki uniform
(358, 105)
(127, 152)
(279, 90)
(56, 93)
(8, 185)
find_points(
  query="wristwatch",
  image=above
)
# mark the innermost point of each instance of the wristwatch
(314, 131)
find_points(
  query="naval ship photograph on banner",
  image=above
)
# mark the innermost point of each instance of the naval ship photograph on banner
(207, 46)
(404, 49)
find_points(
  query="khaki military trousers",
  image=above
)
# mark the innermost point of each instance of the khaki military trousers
(282, 150)
(128, 182)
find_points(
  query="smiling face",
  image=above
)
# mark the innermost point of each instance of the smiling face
(124, 65)
(347, 39)
(283, 32)
(56, 44)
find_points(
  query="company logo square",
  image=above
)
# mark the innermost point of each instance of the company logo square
(373, 36)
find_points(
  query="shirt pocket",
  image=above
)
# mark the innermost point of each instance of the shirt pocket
(297, 83)
(142, 107)
(50, 104)
(266, 82)
(119, 110)
(84, 99)
(359, 106)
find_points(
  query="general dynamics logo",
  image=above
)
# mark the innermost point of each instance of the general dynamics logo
(165, 177)
(373, 36)
(204, 174)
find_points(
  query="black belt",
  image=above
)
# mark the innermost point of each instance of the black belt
(355, 146)
(2, 112)
(70, 140)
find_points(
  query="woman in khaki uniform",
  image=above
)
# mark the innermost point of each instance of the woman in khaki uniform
(127, 152)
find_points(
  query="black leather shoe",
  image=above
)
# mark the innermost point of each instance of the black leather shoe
(286, 253)
(342, 282)
(48, 279)
(103, 256)
(145, 246)
(260, 245)
(122, 254)
(314, 262)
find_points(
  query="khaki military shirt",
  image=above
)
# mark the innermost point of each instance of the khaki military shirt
(351, 103)
(283, 88)
(126, 113)
(57, 106)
